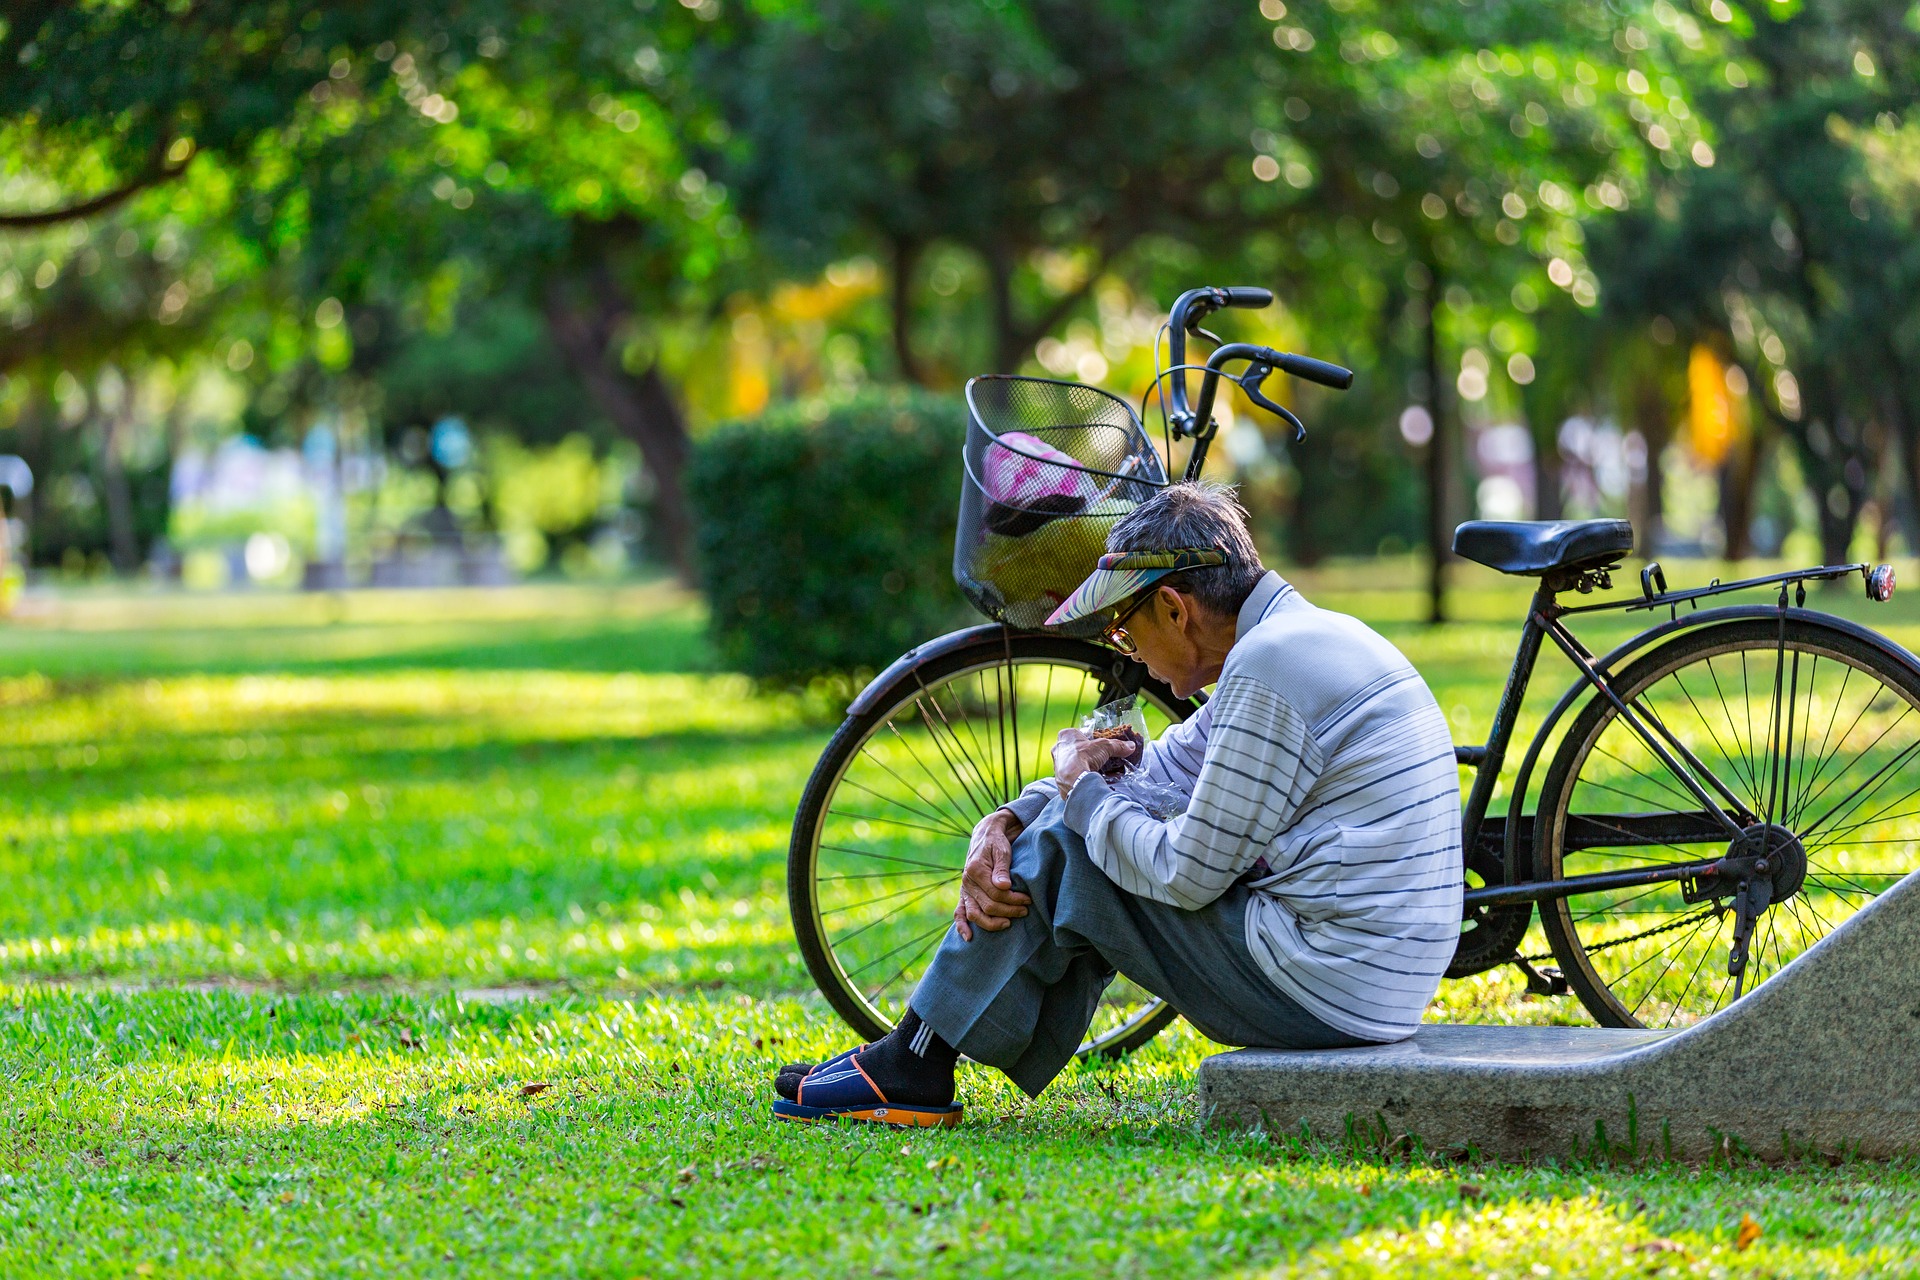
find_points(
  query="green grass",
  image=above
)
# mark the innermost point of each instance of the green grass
(303, 894)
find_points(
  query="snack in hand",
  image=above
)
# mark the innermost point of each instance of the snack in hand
(1127, 734)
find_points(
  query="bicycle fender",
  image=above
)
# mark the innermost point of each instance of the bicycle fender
(993, 639)
(1631, 647)
(987, 633)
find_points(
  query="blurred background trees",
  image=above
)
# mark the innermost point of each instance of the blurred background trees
(406, 292)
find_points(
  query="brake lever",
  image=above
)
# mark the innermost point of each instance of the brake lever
(1250, 382)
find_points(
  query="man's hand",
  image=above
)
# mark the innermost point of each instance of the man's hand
(1077, 752)
(987, 895)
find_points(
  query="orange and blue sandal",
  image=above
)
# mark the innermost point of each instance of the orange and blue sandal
(839, 1089)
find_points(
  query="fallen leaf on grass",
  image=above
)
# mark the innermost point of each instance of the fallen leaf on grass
(1471, 1191)
(1749, 1232)
(538, 1086)
(1658, 1244)
(688, 1174)
(761, 1161)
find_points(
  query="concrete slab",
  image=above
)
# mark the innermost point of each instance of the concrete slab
(1825, 1056)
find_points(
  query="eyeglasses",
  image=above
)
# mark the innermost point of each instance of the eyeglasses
(1116, 633)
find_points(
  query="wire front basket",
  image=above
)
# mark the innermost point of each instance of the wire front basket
(1050, 466)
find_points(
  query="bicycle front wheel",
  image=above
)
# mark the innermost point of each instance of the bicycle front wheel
(1808, 740)
(882, 830)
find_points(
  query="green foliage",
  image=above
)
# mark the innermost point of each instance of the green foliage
(826, 532)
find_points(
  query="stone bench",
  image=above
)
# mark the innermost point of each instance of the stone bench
(1823, 1057)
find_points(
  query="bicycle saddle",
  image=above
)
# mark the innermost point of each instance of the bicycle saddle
(1535, 546)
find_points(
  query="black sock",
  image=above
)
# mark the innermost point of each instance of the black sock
(912, 1066)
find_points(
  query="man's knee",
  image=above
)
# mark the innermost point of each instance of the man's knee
(1042, 854)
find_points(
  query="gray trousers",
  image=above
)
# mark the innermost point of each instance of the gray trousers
(1021, 998)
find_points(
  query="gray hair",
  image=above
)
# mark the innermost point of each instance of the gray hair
(1196, 514)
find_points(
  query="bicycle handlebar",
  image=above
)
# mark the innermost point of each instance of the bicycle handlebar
(1189, 310)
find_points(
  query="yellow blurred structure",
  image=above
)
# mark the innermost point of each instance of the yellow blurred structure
(1717, 405)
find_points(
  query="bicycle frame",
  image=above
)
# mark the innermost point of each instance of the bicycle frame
(1544, 622)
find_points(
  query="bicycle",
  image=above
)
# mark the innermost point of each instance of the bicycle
(1671, 826)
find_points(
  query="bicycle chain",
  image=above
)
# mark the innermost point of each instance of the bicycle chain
(1683, 922)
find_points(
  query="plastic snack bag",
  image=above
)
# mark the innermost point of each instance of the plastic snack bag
(1123, 720)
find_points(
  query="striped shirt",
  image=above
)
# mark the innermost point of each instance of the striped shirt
(1323, 753)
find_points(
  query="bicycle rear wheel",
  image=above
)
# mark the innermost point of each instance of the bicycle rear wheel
(1816, 736)
(882, 829)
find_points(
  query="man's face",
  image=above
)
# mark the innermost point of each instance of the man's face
(1165, 639)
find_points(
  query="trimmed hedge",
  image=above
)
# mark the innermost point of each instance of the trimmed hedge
(826, 532)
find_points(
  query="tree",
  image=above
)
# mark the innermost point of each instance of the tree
(1784, 250)
(566, 180)
(1424, 173)
(1046, 138)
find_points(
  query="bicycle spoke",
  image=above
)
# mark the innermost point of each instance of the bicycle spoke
(1668, 787)
(888, 857)
(1812, 795)
(1733, 732)
(895, 822)
(965, 779)
(1881, 737)
(885, 799)
(1878, 780)
(1708, 726)
(919, 891)
(1694, 977)
(955, 811)
(927, 940)
(885, 956)
(882, 875)
(1820, 754)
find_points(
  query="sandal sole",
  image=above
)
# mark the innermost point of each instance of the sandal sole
(888, 1114)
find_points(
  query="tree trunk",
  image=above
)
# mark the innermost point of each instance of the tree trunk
(1737, 476)
(1836, 494)
(1653, 418)
(124, 550)
(641, 407)
(1439, 457)
(1546, 479)
(1006, 333)
(36, 449)
(906, 256)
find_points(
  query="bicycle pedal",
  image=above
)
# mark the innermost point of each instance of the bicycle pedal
(1544, 981)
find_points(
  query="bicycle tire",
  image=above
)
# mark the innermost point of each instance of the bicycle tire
(1031, 655)
(1602, 941)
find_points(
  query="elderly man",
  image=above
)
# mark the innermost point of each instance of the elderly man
(1308, 896)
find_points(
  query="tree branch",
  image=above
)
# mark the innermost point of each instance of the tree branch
(158, 170)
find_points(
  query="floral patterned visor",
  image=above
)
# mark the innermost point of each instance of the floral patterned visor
(1122, 574)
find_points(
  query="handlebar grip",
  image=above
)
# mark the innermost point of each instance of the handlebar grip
(1247, 295)
(1327, 375)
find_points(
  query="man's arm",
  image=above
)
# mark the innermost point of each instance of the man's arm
(1026, 806)
(1260, 763)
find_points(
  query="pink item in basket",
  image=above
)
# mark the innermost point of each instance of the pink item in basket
(1022, 469)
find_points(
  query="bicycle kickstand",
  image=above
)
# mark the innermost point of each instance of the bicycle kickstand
(1749, 903)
